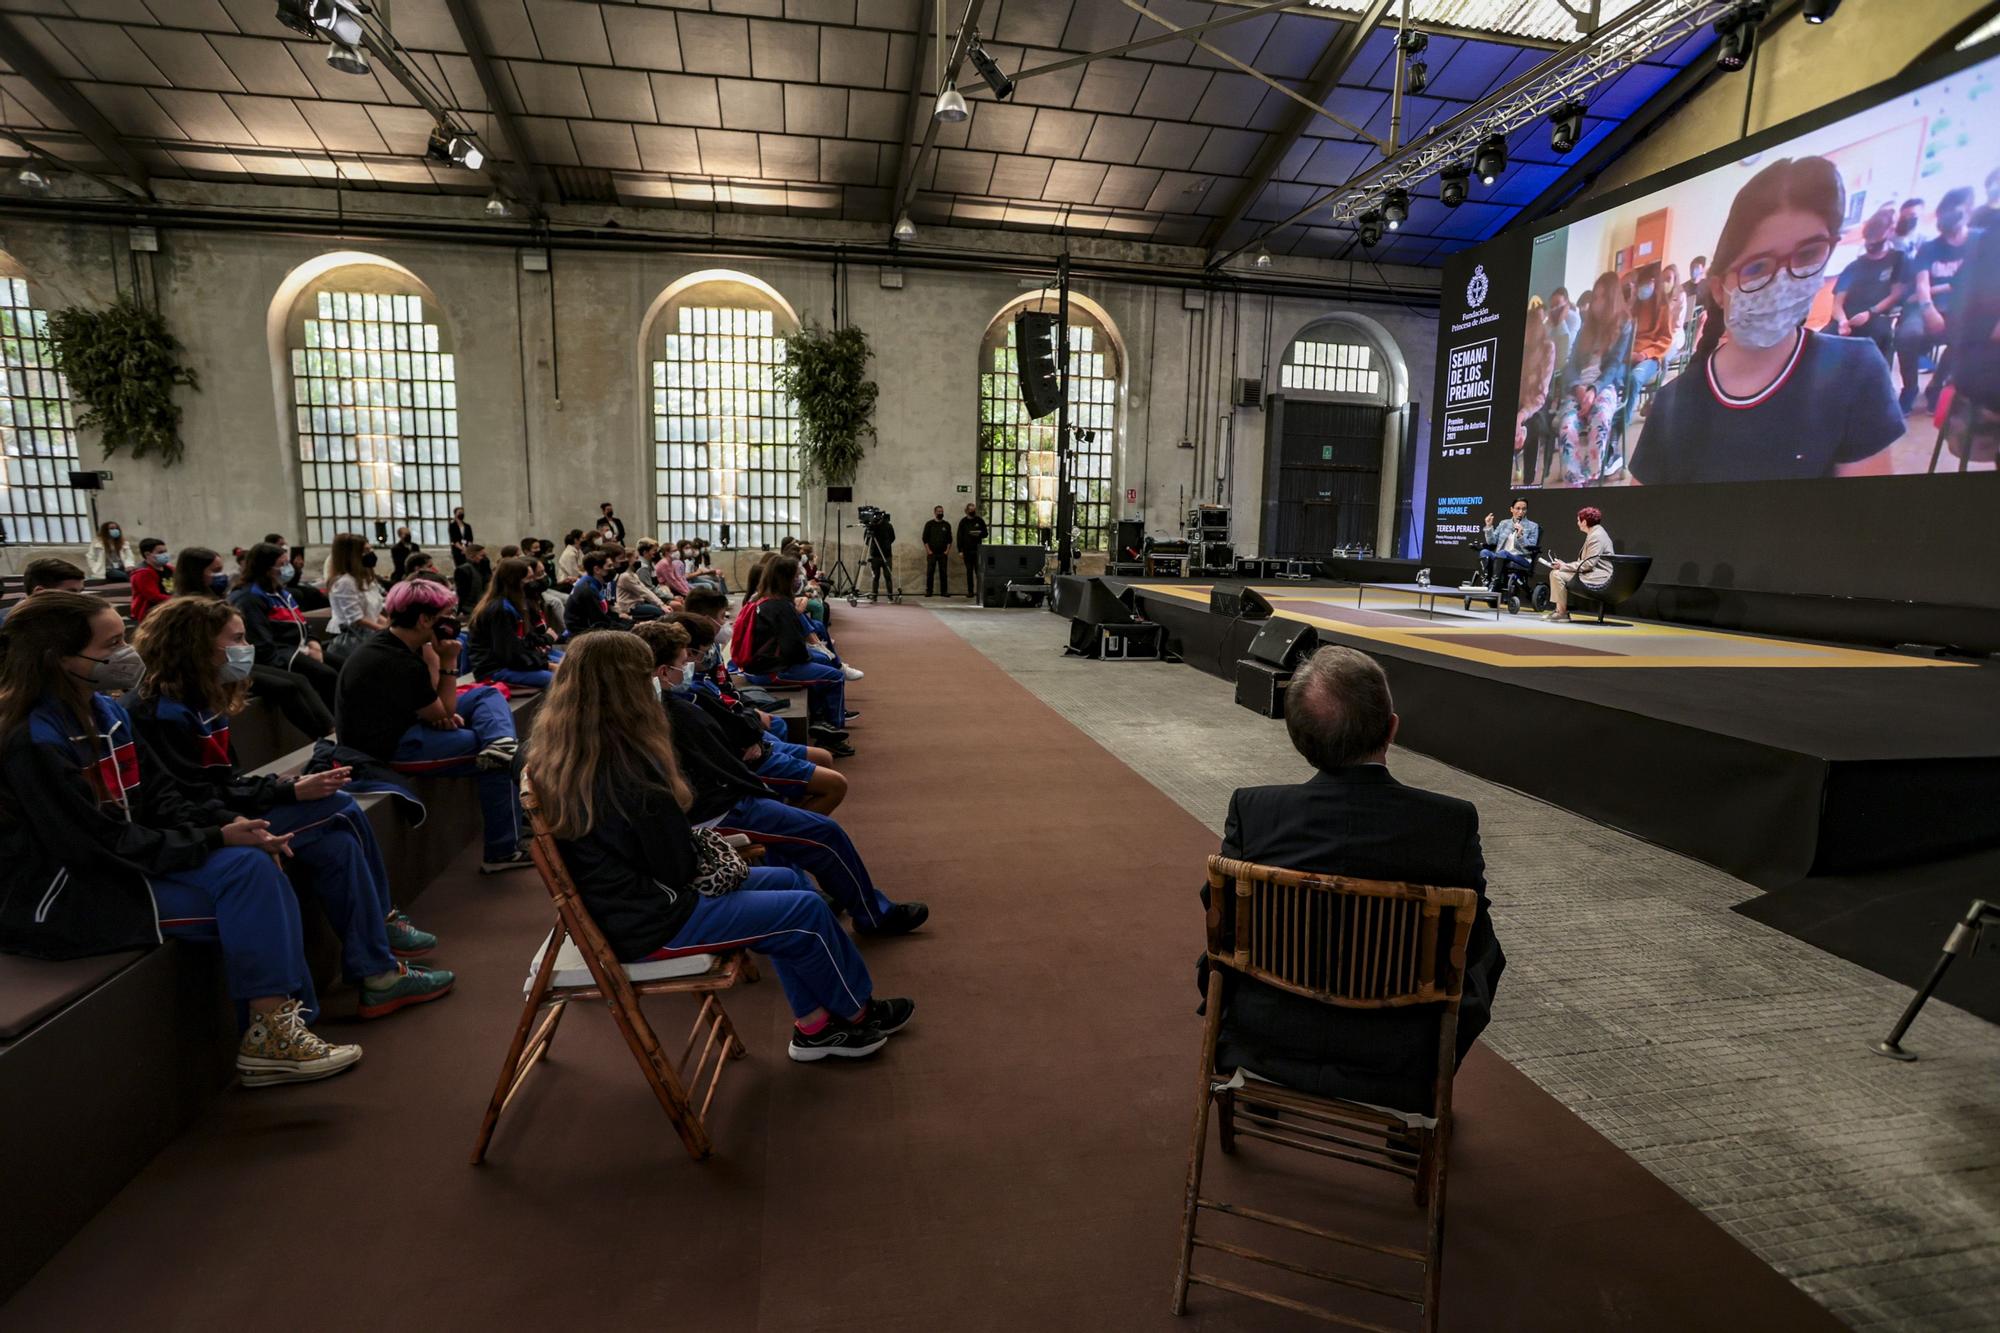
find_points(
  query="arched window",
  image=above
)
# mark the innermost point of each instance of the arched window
(37, 432)
(375, 400)
(1333, 358)
(1017, 455)
(723, 436)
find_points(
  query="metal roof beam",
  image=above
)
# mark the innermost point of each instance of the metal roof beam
(914, 88)
(1333, 63)
(472, 35)
(76, 108)
(913, 163)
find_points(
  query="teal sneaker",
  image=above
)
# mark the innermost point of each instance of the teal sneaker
(413, 985)
(405, 940)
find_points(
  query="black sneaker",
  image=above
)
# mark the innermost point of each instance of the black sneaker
(520, 860)
(839, 1038)
(890, 1016)
(849, 716)
(900, 920)
(840, 749)
(819, 732)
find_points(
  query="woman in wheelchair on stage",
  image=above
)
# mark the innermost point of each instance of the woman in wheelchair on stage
(602, 768)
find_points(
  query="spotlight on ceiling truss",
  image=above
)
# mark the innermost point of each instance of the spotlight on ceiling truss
(1566, 126)
(1454, 183)
(1396, 207)
(1490, 160)
(989, 69)
(456, 146)
(1369, 228)
(1736, 33)
(1819, 11)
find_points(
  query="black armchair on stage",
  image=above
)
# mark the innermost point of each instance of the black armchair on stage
(1628, 572)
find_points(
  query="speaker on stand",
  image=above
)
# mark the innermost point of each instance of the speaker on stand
(1261, 677)
(1035, 340)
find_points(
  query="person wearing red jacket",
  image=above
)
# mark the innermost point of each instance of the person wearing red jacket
(149, 580)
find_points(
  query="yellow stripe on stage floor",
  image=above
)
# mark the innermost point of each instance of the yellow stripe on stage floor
(1619, 647)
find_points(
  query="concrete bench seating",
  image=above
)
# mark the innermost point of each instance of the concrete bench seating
(103, 1061)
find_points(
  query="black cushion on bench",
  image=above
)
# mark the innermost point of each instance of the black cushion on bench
(34, 989)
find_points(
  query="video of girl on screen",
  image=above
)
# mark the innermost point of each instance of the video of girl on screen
(1830, 308)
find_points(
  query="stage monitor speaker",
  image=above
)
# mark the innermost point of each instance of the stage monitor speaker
(840, 495)
(1281, 642)
(1035, 335)
(1090, 601)
(1131, 539)
(1238, 603)
(1260, 687)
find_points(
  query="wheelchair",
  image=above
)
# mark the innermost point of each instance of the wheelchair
(1511, 585)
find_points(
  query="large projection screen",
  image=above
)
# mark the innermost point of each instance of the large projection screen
(1815, 412)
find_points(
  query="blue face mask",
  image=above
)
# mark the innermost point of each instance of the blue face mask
(219, 582)
(287, 573)
(1645, 293)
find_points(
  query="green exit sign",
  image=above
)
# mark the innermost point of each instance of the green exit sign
(1326, 453)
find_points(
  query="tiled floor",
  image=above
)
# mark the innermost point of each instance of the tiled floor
(1729, 1058)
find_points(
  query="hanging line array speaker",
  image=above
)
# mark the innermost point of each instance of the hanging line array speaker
(1035, 355)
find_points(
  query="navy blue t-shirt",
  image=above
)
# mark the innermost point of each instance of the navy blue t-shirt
(1833, 404)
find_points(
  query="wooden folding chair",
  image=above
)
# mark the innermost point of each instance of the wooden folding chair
(1354, 944)
(620, 986)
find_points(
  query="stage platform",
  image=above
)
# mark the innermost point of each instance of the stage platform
(1771, 758)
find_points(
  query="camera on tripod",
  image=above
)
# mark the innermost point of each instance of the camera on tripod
(871, 516)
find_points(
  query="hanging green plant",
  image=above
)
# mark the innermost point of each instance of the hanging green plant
(825, 373)
(123, 364)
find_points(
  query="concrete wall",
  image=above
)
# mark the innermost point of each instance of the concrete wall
(554, 403)
(1799, 67)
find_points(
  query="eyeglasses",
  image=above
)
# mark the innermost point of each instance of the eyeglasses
(1757, 272)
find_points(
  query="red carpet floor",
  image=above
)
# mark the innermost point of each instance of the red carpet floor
(1014, 1161)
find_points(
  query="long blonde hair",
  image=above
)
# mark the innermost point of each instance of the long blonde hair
(601, 722)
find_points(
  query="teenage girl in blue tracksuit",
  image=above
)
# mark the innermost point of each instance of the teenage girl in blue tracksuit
(506, 640)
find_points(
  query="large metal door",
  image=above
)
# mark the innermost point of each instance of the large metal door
(1329, 476)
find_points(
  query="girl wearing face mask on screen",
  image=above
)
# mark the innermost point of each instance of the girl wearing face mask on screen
(1764, 398)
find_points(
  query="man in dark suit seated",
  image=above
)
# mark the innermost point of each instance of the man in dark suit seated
(1352, 818)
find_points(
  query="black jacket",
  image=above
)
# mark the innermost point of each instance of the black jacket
(274, 625)
(1362, 823)
(777, 637)
(84, 821)
(937, 536)
(469, 582)
(589, 608)
(716, 772)
(192, 746)
(971, 532)
(399, 559)
(501, 641)
(635, 870)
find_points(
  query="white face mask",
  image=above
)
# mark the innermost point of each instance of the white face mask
(687, 674)
(1768, 316)
(118, 672)
(237, 659)
(659, 690)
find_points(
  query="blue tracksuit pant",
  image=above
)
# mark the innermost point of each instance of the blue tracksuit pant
(812, 843)
(828, 692)
(777, 914)
(426, 750)
(331, 840)
(238, 898)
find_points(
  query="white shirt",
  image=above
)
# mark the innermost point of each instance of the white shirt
(352, 604)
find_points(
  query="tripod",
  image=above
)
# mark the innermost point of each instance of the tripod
(879, 560)
(1964, 938)
(840, 581)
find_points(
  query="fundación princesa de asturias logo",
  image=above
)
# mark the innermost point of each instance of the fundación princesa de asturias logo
(1475, 291)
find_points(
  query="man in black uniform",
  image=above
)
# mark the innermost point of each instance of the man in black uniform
(971, 536)
(617, 523)
(399, 555)
(937, 553)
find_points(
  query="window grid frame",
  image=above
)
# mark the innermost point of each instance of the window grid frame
(1315, 365)
(725, 438)
(1016, 452)
(375, 418)
(37, 431)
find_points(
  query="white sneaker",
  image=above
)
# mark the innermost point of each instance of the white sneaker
(280, 1048)
(852, 673)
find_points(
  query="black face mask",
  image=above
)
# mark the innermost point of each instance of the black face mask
(535, 587)
(368, 560)
(1905, 225)
(1951, 219)
(446, 628)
